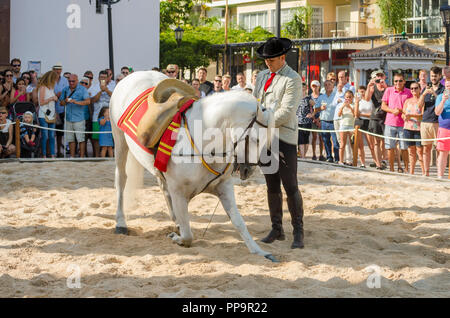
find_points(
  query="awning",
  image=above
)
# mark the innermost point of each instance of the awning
(366, 64)
(409, 64)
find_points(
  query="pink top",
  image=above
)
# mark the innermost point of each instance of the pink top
(412, 108)
(22, 98)
(395, 99)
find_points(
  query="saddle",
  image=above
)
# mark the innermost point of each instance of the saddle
(163, 103)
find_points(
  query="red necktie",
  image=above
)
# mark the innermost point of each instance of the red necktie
(269, 81)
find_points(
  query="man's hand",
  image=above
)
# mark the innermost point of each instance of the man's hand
(445, 97)
(428, 91)
(371, 83)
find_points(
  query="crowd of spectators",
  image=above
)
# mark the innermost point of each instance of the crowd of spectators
(420, 111)
(60, 101)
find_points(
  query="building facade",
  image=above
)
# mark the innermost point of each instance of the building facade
(45, 32)
(334, 19)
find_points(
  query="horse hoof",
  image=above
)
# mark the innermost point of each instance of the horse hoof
(272, 258)
(121, 230)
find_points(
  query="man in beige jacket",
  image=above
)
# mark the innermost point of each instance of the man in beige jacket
(279, 88)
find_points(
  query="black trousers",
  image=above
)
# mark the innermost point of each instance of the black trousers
(287, 171)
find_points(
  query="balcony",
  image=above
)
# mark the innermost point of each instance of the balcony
(337, 29)
(329, 29)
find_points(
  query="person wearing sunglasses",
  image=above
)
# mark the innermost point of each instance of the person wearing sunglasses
(393, 101)
(90, 76)
(172, 70)
(125, 71)
(75, 98)
(217, 85)
(412, 115)
(16, 65)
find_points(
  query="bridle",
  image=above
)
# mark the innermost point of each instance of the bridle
(244, 136)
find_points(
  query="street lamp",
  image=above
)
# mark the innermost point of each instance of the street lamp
(445, 15)
(178, 35)
(99, 9)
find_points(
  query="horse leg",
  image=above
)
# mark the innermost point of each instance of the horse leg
(225, 193)
(121, 152)
(163, 185)
(180, 210)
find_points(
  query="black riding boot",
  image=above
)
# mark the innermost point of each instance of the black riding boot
(295, 205)
(276, 216)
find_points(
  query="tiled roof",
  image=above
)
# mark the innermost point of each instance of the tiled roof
(401, 48)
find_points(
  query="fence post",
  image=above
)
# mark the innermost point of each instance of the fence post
(356, 146)
(17, 128)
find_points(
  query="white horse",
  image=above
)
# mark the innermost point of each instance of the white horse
(231, 113)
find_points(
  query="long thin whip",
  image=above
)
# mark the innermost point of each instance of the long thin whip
(211, 219)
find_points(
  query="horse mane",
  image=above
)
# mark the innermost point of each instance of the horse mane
(219, 107)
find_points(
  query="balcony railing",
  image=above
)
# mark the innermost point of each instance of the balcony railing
(330, 29)
(337, 29)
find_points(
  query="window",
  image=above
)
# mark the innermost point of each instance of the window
(316, 22)
(425, 16)
(249, 21)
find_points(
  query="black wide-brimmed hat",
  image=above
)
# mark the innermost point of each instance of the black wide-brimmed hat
(274, 47)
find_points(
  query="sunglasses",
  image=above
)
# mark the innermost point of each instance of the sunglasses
(220, 81)
(26, 77)
(398, 81)
(8, 75)
(170, 72)
(84, 83)
(16, 65)
(72, 81)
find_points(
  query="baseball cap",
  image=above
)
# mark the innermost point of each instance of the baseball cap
(57, 66)
(374, 73)
(316, 83)
(171, 67)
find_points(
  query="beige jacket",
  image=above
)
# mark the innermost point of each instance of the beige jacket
(283, 97)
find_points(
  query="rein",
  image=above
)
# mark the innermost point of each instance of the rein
(204, 163)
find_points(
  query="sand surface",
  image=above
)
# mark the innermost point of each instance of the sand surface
(59, 218)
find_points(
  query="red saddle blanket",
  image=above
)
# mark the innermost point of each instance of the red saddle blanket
(130, 119)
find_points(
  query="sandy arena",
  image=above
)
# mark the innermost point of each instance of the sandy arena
(57, 216)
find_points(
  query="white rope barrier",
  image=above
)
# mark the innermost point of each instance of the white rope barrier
(370, 133)
(61, 130)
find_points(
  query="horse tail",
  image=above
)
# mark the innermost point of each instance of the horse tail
(135, 181)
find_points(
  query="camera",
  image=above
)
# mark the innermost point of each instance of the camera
(48, 112)
(429, 85)
(378, 81)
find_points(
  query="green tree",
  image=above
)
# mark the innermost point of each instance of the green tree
(196, 49)
(182, 12)
(393, 14)
(298, 26)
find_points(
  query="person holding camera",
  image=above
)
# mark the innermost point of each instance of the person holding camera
(47, 111)
(75, 98)
(429, 125)
(375, 91)
(100, 94)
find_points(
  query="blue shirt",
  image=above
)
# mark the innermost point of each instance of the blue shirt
(63, 82)
(75, 112)
(444, 117)
(328, 113)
